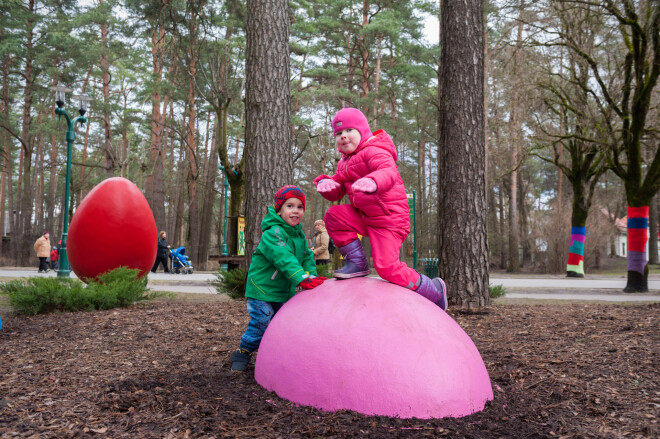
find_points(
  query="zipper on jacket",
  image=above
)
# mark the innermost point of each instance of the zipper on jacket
(274, 274)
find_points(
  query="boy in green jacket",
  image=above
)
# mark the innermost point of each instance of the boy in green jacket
(281, 263)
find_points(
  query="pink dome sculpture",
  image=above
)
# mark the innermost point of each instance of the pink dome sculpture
(373, 347)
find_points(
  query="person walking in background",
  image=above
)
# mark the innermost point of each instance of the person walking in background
(321, 243)
(162, 253)
(42, 248)
(378, 207)
(55, 256)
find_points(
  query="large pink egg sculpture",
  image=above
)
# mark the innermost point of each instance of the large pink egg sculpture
(113, 227)
(373, 347)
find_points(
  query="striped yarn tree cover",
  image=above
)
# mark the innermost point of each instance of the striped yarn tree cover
(575, 266)
(638, 225)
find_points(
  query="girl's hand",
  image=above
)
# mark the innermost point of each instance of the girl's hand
(327, 185)
(365, 185)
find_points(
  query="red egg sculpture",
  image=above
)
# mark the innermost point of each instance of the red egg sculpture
(113, 227)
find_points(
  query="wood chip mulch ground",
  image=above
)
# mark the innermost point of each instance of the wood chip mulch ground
(161, 370)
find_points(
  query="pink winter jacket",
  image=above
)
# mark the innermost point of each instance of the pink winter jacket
(375, 159)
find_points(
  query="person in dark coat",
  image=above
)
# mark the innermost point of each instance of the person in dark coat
(163, 251)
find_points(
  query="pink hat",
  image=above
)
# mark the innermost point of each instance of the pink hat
(352, 118)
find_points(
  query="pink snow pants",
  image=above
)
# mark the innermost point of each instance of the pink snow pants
(343, 222)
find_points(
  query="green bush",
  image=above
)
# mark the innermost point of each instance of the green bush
(37, 295)
(231, 282)
(496, 291)
(324, 270)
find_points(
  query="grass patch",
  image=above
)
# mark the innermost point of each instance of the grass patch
(37, 295)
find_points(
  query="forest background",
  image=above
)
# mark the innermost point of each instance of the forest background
(168, 82)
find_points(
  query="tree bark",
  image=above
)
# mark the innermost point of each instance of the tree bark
(105, 77)
(5, 144)
(421, 184)
(514, 145)
(24, 191)
(463, 245)
(503, 222)
(191, 145)
(38, 179)
(208, 200)
(269, 163)
(154, 190)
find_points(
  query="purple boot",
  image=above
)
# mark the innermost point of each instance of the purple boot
(434, 290)
(356, 264)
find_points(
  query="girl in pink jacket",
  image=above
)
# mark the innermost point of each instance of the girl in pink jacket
(368, 173)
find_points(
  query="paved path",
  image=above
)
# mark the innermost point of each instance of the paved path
(615, 283)
(176, 283)
(602, 288)
(160, 276)
(605, 289)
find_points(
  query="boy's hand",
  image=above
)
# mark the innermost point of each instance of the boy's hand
(327, 185)
(309, 283)
(365, 184)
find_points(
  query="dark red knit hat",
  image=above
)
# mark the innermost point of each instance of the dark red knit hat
(286, 192)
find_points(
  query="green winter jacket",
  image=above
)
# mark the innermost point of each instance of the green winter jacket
(282, 260)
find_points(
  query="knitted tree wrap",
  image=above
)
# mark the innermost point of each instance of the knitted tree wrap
(576, 251)
(638, 224)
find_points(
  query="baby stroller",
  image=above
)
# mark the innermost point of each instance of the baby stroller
(180, 262)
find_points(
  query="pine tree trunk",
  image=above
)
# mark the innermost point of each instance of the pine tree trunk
(269, 163)
(24, 192)
(364, 52)
(524, 223)
(210, 171)
(171, 212)
(421, 184)
(462, 234)
(5, 147)
(38, 179)
(494, 231)
(154, 179)
(180, 205)
(105, 76)
(51, 223)
(193, 175)
(514, 145)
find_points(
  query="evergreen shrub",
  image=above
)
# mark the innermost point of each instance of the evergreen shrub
(496, 291)
(230, 282)
(38, 295)
(324, 270)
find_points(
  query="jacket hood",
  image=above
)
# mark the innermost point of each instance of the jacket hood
(381, 140)
(272, 219)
